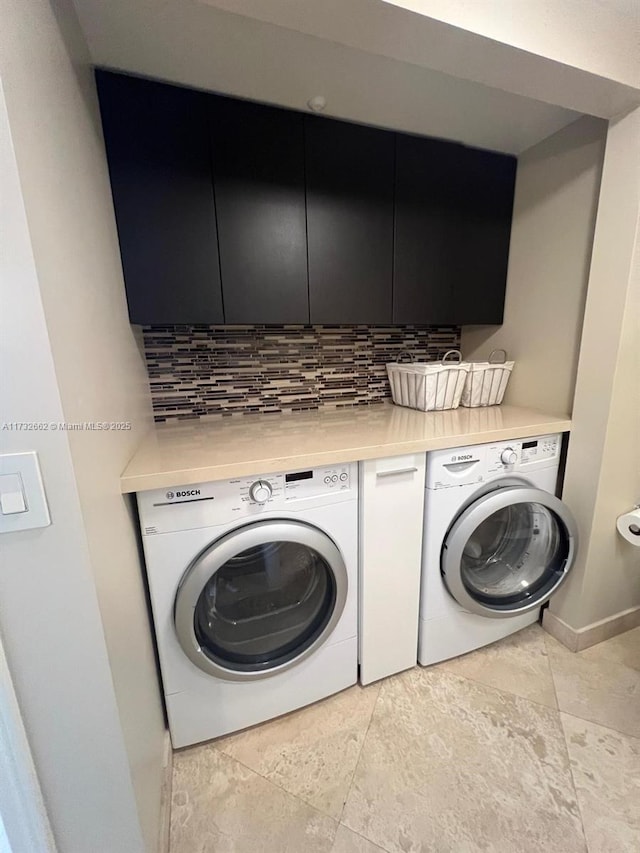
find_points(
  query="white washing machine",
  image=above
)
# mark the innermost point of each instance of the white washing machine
(497, 543)
(253, 585)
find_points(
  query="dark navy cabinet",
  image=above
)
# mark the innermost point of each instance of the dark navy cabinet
(234, 212)
(453, 209)
(157, 144)
(349, 221)
(258, 169)
(485, 188)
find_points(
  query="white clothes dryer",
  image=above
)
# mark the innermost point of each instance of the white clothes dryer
(497, 543)
(253, 585)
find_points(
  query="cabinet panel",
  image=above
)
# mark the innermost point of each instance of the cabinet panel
(258, 165)
(391, 521)
(208, 188)
(486, 190)
(424, 234)
(453, 223)
(157, 146)
(349, 172)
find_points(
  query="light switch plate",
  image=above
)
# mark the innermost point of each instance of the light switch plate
(26, 467)
(11, 494)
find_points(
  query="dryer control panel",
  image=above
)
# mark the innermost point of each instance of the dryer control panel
(294, 485)
(218, 502)
(319, 481)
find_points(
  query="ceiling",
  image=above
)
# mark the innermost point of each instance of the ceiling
(193, 43)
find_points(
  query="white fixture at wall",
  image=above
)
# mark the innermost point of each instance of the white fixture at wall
(317, 104)
(23, 503)
(628, 525)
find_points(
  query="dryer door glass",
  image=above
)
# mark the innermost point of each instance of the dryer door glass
(261, 598)
(265, 605)
(506, 554)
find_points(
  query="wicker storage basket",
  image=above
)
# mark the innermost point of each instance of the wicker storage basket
(486, 381)
(430, 386)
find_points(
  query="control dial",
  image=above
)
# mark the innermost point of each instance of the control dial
(260, 491)
(508, 456)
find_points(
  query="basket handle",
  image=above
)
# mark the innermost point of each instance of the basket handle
(498, 360)
(408, 353)
(452, 352)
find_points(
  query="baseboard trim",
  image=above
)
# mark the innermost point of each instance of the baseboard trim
(582, 638)
(165, 801)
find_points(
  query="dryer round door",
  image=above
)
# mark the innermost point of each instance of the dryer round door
(508, 551)
(260, 599)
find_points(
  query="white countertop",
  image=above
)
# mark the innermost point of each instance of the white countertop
(196, 451)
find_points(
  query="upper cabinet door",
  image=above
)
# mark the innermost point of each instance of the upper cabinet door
(258, 165)
(349, 221)
(159, 162)
(453, 222)
(486, 190)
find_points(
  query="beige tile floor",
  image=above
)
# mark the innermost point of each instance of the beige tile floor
(521, 746)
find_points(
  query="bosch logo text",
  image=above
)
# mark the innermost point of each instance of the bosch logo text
(187, 493)
(462, 458)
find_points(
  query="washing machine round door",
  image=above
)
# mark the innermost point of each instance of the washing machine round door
(508, 551)
(260, 599)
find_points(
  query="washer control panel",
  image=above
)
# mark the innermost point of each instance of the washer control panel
(522, 453)
(474, 464)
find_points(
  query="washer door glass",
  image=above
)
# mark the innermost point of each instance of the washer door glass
(260, 599)
(506, 553)
(265, 605)
(511, 554)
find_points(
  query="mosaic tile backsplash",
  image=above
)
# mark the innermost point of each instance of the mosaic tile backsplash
(203, 371)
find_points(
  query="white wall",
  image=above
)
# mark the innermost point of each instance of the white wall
(603, 465)
(49, 615)
(99, 368)
(601, 37)
(4, 841)
(556, 198)
(578, 55)
(198, 45)
(24, 823)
